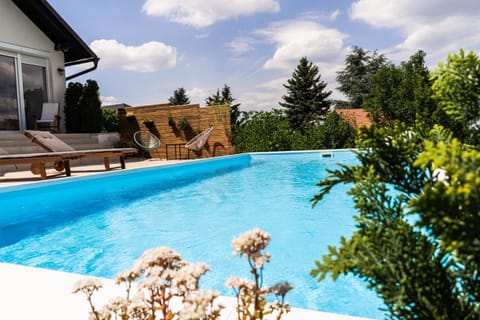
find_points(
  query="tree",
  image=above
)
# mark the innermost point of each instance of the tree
(417, 241)
(403, 93)
(91, 112)
(83, 107)
(72, 107)
(356, 78)
(179, 98)
(456, 88)
(225, 97)
(263, 131)
(333, 133)
(306, 99)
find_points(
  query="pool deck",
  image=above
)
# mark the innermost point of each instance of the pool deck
(35, 293)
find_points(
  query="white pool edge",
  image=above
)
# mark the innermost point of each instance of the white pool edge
(34, 293)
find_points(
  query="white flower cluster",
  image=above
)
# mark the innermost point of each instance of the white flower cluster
(87, 285)
(200, 305)
(157, 257)
(251, 244)
(161, 278)
(251, 295)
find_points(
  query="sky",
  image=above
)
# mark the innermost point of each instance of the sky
(149, 48)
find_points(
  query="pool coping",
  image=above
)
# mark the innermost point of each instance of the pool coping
(36, 293)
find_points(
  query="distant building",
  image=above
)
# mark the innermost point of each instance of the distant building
(356, 117)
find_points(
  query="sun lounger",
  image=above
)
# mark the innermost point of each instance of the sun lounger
(51, 143)
(37, 160)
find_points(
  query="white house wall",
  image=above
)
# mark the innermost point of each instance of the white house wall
(18, 34)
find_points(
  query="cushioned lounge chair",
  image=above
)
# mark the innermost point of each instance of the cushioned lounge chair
(37, 161)
(51, 143)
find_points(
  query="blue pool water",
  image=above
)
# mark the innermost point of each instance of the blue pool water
(99, 226)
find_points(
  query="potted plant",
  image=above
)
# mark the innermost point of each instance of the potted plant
(171, 122)
(183, 124)
(148, 123)
(130, 117)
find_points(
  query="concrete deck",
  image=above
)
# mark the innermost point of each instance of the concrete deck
(32, 293)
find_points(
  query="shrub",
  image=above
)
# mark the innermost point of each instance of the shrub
(109, 120)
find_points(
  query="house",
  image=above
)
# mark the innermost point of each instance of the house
(36, 45)
(356, 117)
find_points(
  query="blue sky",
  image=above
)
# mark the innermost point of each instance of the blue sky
(149, 48)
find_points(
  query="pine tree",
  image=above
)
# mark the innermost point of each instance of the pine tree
(215, 99)
(306, 99)
(225, 97)
(179, 98)
(72, 109)
(90, 104)
(83, 111)
(356, 78)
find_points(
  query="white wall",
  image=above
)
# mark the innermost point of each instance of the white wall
(19, 35)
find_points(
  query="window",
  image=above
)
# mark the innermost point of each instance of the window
(34, 93)
(18, 112)
(9, 111)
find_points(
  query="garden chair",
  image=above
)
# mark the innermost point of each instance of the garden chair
(49, 118)
(146, 141)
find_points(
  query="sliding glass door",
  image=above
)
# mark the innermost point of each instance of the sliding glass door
(34, 92)
(18, 111)
(9, 106)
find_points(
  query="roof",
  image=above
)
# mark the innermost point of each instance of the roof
(75, 50)
(356, 117)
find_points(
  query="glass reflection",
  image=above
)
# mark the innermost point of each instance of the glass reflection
(8, 94)
(34, 92)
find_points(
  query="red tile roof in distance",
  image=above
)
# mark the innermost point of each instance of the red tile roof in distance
(356, 117)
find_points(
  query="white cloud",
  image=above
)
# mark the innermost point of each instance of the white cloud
(202, 35)
(299, 38)
(438, 27)
(260, 100)
(334, 15)
(197, 95)
(109, 100)
(203, 13)
(241, 45)
(148, 57)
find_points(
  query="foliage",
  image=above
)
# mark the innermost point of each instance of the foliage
(179, 97)
(416, 242)
(333, 133)
(263, 131)
(160, 285)
(270, 131)
(403, 93)
(109, 120)
(183, 124)
(356, 78)
(306, 99)
(225, 98)
(456, 88)
(72, 107)
(170, 120)
(91, 108)
(82, 107)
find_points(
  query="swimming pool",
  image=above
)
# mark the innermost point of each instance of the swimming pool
(99, 226)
